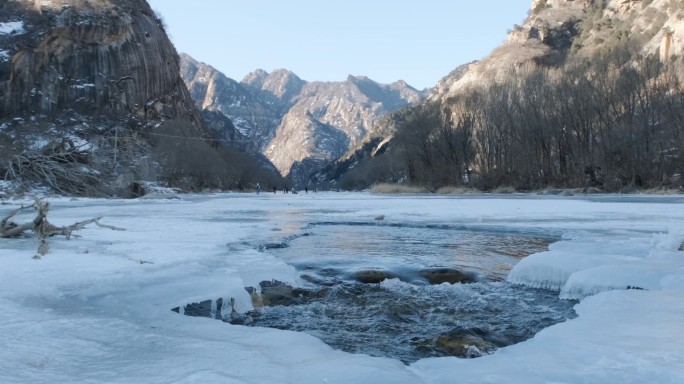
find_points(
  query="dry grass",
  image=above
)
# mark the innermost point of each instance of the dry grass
(663, 191)
(395, 189)
(452, 190)
(504, 189)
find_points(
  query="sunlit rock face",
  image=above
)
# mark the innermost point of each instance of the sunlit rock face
(253, 118)
(299, 126)
(95, 57)
(557, 30)
(277, 89)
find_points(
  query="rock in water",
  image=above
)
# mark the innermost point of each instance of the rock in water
(446, 275)
(372, 276)
(465, 343)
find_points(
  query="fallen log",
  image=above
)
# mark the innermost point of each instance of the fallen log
(12, 229)
(42, 228)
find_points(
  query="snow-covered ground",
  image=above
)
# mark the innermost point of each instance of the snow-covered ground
(96, 308)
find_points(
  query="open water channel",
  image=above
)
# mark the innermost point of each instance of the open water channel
(406, 291)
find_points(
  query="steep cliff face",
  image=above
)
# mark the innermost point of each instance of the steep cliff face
(544, 38)
(95, 78)
(300, 126)
(108, 57)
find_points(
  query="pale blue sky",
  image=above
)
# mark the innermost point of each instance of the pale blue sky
(418, 41)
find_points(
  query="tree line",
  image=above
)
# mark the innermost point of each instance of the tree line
(109, 157)
(614, 122)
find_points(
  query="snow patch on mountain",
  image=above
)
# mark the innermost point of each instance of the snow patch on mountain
(12, 27)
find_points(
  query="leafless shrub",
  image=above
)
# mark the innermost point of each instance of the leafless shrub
(63, 166)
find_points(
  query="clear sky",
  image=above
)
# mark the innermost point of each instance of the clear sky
(418, 41)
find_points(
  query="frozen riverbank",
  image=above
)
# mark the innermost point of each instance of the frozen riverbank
(91, 312)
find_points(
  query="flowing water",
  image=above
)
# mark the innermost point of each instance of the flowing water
(404, 249)
(386, 289)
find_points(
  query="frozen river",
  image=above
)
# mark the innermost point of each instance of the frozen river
(96, 308)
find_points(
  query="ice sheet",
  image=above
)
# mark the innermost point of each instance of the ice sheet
(90, 311)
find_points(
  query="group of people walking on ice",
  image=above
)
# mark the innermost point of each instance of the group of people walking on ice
(286, 189)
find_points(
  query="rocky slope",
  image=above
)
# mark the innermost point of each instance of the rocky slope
(299, 126)
(277, 89)
(351, 108)
(558, 30)
(233, 110)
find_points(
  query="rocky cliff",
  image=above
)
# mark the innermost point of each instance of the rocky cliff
(99, 77)
(107, 57)
(300, 126)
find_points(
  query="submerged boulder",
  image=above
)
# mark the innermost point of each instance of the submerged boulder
(469, 342)
(372, 276)
(446, 275)
(275, 292)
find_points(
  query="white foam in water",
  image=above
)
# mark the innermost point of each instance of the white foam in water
(89, 311)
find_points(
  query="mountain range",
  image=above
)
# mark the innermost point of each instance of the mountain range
(299, 126)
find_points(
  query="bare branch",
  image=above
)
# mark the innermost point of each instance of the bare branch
(42, 228)
(3, 223)
(113, 228)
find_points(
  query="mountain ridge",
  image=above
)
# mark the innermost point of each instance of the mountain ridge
(295, 110)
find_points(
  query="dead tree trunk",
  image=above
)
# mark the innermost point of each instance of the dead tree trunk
(41, 227)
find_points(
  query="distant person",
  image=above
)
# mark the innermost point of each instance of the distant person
(306, 189)
(258, 188)
(274, 189)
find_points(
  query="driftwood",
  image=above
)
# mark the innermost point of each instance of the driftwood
(41, 227)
